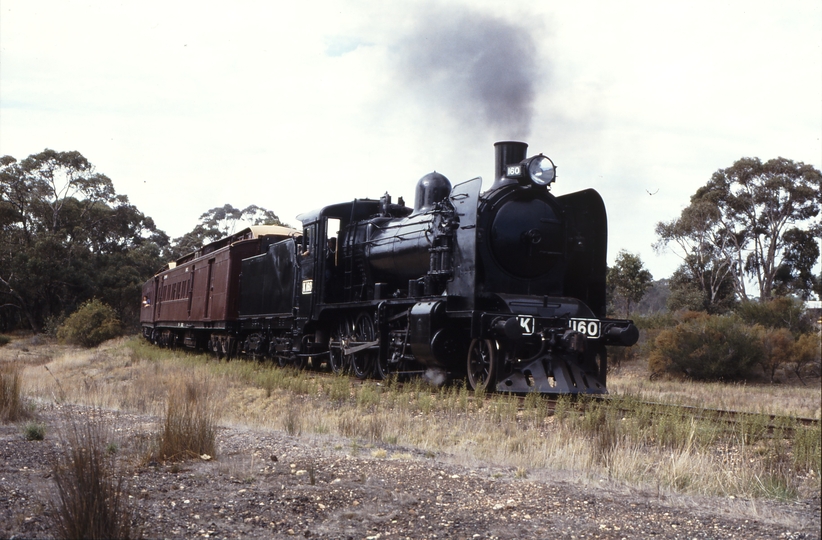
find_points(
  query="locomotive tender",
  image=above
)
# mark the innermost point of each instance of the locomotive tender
(505, 287)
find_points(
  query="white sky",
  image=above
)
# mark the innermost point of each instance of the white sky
(191, 105)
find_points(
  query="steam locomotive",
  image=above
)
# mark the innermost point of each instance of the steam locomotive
(505, 288)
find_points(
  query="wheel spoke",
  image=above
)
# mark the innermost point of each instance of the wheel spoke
(337, 359)
(481, 365)
(362, 362)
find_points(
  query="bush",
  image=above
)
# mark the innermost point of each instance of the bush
(778, 350)
(34, 431)
(4, 340)
(655, 321)
(93, 323)
(708, 348)
(807, 356)
(777, 313)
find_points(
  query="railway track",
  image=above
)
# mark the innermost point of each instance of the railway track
(770, 422)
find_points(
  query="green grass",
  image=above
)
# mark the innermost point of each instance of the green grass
(34, 431)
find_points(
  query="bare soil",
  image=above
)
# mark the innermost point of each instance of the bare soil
(267, 484)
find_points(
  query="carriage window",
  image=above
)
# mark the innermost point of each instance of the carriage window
(332, 230)
(308, 239)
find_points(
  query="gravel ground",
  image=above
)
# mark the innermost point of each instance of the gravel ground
(267, 484)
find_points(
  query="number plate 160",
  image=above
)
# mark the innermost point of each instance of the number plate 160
(588, 327)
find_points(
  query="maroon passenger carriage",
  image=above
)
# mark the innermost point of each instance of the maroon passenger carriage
(194, 302)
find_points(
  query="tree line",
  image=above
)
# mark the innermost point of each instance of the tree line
(751, 223)
(67, 237)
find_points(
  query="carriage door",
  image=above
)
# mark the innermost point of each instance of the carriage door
(310, 251)
(209, 289)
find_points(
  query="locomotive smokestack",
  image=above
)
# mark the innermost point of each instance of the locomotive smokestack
(507, 153)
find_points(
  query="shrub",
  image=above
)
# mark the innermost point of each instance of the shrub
(777, 350)
(4, 340)
(34, 431)
(807, 356)
(656, 321)
(777, 313)
(93, 323)
(708, 348)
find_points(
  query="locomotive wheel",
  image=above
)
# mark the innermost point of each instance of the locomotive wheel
(482, 364)
(381, 370)
(337, 360)
(362, 362)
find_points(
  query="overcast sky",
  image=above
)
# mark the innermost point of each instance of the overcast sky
(191, 105)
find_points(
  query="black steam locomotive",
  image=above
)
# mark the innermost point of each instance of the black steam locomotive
(505, 287)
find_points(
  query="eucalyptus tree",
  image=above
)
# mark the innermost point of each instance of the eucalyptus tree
(66, 237)
(751, 220)
(220, 222)
(628, 280)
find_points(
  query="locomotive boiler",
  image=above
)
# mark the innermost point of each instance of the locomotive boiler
(505, 288)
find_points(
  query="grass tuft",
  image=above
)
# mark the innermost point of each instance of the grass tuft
(34, 431)
(11, 404)
(92, 497)
(190, 424)
(293, 418)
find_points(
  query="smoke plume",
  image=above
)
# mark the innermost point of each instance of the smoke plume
(476, 66)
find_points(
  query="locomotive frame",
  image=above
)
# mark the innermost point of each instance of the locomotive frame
(505, 288)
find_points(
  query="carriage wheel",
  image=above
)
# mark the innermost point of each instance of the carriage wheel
(230, 349)
(482, 364)
(362, 362)
(337, 360)
(216, 348)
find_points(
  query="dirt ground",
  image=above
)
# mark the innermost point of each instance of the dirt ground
(267, 484)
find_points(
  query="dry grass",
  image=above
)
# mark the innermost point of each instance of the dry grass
(92, 498)
(639, 447)
(11, 404)
(784, 400)
(189, 430)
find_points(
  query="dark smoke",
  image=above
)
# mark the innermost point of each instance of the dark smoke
(475, 65)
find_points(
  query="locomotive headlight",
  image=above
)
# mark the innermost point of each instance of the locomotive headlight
(541, 170)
